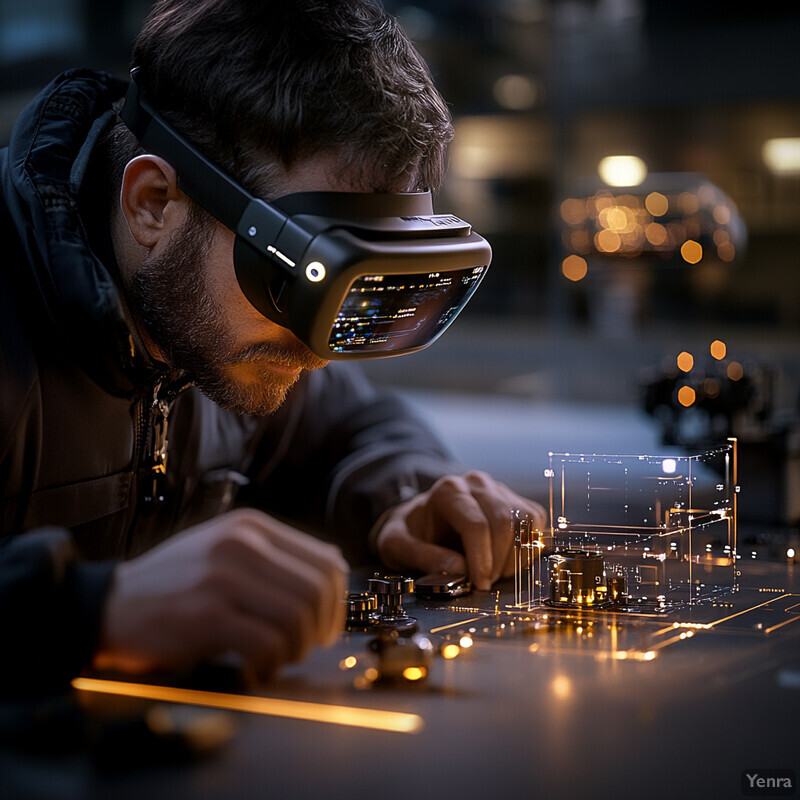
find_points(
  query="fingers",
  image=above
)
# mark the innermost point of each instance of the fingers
(401, 550)
(474, 507)
(241, 583)
(288, 579)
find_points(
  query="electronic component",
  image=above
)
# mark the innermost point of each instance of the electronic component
(441, 586)
(361, 609)
(389, 591)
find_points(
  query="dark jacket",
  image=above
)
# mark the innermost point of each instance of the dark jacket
(81, 408)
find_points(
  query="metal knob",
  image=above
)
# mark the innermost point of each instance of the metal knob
(389, 590)
(361, 608)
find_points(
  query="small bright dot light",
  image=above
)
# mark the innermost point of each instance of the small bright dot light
(561, 687)
(348, 663)
(574, 268)
(465, 641)
(515, 92)
(691, 251)
(686, 396)
(718, 349)
(657, 204)
(450, 651)
(668, 466)
(782, 156)
(315, 272)
(790, 553)
(685, 361)
(735, 371)
(622, 170)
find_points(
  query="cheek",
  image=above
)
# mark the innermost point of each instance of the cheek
(240, 315)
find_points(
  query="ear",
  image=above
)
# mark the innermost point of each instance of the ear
(150, 199)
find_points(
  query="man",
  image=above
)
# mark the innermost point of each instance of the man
(124, 329)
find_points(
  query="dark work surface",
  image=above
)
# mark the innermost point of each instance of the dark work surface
(546, 707)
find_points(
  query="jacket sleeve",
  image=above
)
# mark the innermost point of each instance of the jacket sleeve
(51, 604)
(50, 600)
(340, 453)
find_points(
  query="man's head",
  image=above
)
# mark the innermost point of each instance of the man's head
(284, 96)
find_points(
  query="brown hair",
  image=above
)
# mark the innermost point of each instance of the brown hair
(257, 85)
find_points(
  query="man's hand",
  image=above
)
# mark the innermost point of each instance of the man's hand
(242, 583)
(462, 524)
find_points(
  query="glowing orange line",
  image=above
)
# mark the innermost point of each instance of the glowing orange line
(781, 624)
(746, 610)
(455, 624)
(270, 706)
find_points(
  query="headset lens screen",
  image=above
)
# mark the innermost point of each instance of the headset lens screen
(381, 313)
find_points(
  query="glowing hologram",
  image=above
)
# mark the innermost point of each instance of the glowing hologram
(631, 532)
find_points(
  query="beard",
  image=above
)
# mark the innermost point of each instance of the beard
(170, 296)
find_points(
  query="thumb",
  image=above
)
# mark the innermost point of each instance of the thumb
(400, 551)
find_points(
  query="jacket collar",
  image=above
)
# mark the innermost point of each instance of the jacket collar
(49, 153)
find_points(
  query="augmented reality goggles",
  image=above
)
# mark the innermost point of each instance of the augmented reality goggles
(351, 275)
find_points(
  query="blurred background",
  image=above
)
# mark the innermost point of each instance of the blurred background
(636, 167)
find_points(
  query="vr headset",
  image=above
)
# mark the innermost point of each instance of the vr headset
(351, 275)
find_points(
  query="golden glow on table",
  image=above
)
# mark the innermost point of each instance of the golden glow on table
(375, 719)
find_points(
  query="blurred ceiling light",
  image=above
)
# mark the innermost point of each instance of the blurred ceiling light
(691, 251)
(657, 204)
(622, 170)
(718, 349)
(671, 219)
(782, 156)
(686, 396)
(574, 267)
(685, 361)
(498, 146)
(516, 92)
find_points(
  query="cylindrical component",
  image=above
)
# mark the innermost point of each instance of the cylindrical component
(361, 608)
(575, 576)
(389, 590)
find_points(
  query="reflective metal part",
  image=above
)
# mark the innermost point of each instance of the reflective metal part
(389, 590)
(361, 608)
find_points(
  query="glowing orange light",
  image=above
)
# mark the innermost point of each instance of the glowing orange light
(735, 371)
(574, 268)
(656, 234)
(617, 218)
(607, 241)
(561, 687)
(656, 203)
(688, 203)
(686, 396)
(722, 215)
(718, 349)
(414, 673)
(573, 211)
(450, 651)
(685, 361)
(691, 251)
(270, 706)
(726, 251)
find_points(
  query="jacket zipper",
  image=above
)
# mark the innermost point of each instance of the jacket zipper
(153, 423)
